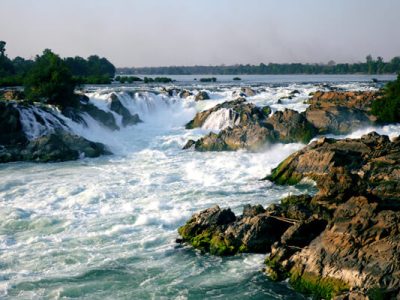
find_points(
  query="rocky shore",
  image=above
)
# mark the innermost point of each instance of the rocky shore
(250, 127)
(342, 243)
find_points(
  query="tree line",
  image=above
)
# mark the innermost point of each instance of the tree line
(370, 66)
(93, 70)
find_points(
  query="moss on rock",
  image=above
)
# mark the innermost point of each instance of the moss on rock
(320, 288)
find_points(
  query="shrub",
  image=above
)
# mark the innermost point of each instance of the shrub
(387, 109)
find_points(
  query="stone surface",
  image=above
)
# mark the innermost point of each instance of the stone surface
(343, 242)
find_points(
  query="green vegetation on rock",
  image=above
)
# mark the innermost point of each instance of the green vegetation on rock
(387, 109)
(320, 288)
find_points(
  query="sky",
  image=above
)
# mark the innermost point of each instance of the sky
(137, 33)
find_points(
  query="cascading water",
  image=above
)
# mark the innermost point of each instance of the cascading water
(106, 227)
(221, 119)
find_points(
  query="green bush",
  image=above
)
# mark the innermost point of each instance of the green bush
(387, 109)
(50, 81)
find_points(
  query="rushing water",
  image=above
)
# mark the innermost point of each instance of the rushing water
(105, 228)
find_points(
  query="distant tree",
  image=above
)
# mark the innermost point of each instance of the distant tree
(2, 48)
(50, 81)
(6, 67)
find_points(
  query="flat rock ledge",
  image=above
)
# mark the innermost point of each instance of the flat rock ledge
(342, 243)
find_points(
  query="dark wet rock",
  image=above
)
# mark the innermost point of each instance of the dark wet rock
(202, 95)
(184, 94)
(294, 92)
(105, 118)
(119, 108)
(170, 92)
(61, 146)
(11, 131)
(292, 126)
(226, 235)
(57, 145)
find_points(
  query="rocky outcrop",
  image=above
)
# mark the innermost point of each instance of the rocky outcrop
(369, 165)
(291, 126)
(343, 242)
(119, 108)
(61, 146)
(251, 136)
(244, 92)
(184, 94)
(340, 112)
(241, 113)
(357, 100)
(251, 127)
(54, 145)
(202, 95)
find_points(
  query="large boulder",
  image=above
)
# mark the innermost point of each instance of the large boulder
(359, 250)
(336, 119)
(251, 137)
(239, 111)
(292, 126)
(341, 112)
(61, 146)
(220, 232)
(202, 95)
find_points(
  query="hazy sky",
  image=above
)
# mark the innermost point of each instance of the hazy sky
(204, 32)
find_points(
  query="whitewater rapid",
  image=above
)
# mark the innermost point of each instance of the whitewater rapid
(105, 228)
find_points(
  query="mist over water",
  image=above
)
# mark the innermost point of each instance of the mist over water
(105, 228)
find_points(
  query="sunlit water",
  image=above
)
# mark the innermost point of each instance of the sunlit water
(105, 228)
